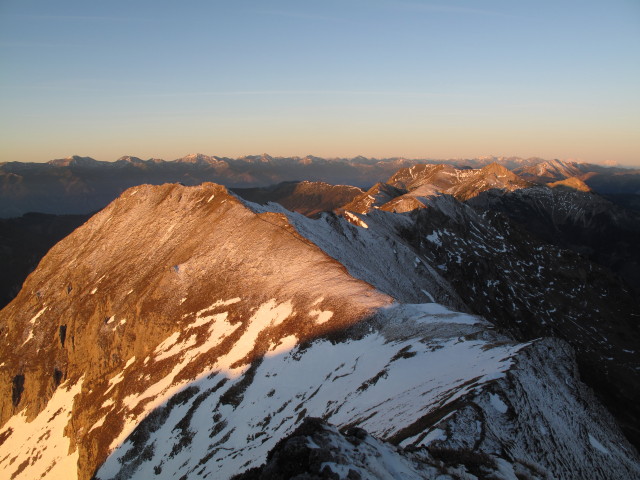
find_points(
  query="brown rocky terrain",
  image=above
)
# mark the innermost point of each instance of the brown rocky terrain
(307, 198)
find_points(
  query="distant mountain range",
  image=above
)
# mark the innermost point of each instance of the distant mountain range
(80, 185)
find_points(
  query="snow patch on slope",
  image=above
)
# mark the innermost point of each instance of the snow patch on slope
(37, 315)
(267, 315)
(322, 316)
(385, 381)
(597, 445)
(24, 441)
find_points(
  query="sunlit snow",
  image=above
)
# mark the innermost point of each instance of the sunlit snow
(25, 445)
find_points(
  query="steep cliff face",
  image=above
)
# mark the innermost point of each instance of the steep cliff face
(581, 221)
(532, 289)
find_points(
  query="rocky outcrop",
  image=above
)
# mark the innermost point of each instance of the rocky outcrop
(571, 183)
(541, 416)
(317, 450)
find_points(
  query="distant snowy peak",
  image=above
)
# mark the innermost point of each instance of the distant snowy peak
(552, 170)
(463, 183)
(263, 158)
(130, 159)
(198, 158)
(527, 167)
(74, 161)
(40, 187)
(492, 177)
(412, 177)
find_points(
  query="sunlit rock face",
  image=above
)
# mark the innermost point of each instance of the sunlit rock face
(307, 198)
(182, 332)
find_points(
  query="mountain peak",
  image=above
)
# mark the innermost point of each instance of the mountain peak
(196, 158)
(73, 160)
(130, 159)
(571, 183)
(498, 169)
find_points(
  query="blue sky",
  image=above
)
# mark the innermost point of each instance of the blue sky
(420, 79)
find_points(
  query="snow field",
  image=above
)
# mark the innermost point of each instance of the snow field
(382, 384)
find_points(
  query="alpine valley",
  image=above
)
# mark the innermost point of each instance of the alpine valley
(465, 319)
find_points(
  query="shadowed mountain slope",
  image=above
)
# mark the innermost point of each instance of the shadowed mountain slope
(24, 241)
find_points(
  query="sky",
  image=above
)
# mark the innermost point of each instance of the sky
(332, 78)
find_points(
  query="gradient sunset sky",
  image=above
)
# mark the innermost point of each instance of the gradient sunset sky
(381, 78)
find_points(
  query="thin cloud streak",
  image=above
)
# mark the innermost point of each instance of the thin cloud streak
(37, 45)
(298, 15)
(227, 93)
(429, 7)
(303, 92)
(79, 18)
